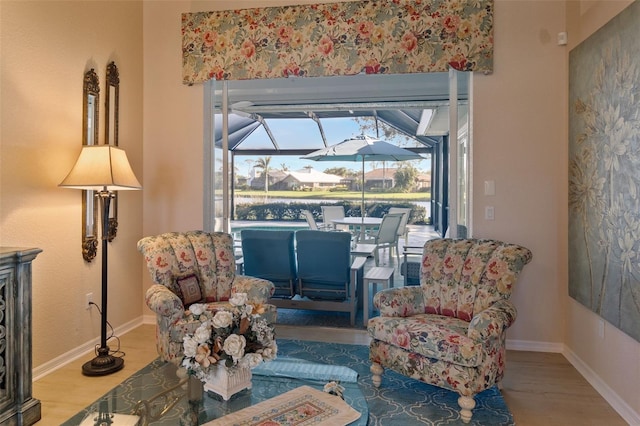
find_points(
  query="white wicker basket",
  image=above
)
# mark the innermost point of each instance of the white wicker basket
(227, 381)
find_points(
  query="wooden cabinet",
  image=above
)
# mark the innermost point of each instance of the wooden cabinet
(17, 406)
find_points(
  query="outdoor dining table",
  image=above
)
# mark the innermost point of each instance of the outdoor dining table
(360, 224)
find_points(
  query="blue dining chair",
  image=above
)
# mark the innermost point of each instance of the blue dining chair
(327, 277)
(270, 255)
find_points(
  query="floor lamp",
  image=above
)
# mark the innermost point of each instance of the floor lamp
(104, 169)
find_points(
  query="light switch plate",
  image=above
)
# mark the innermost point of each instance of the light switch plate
(489, 187)
(489, 213)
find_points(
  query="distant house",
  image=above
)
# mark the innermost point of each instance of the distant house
(385, 178)
(380, 178)
(424, 181)
(275, 176)
(308, 178)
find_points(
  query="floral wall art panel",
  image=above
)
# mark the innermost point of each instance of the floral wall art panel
(604, 172)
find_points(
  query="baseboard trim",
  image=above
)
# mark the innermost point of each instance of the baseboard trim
(527, 345)
(617, 403)
(88, 347)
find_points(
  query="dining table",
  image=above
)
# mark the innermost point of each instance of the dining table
(359, 224)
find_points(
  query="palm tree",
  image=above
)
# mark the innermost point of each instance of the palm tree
(263, 164)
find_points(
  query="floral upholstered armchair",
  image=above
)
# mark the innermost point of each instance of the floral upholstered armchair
(194, 267)
(450, 331)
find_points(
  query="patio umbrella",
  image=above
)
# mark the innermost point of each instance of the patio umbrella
(362, 148)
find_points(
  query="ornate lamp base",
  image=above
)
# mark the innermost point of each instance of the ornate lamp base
(103, 364)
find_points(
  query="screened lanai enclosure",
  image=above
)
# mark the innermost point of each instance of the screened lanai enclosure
(404, 65)
(290, 117)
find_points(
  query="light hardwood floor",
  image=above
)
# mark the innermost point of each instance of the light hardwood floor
(539, 388)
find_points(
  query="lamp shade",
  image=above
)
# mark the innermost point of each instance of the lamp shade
(101, 167)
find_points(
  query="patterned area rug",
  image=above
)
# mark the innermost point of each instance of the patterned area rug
(318, 318)
(400, 400)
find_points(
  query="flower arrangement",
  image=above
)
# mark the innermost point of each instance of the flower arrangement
(236, 336)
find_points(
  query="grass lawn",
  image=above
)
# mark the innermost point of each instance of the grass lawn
(343, 195)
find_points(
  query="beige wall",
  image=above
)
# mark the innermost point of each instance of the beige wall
(46, 47)
(519, 127)
(173, 117)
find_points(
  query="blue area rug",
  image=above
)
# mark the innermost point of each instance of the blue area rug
(400, 400)
(308, 318)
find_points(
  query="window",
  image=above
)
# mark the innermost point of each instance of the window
(286, 118)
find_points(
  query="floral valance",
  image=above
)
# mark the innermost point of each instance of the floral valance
(373, 37)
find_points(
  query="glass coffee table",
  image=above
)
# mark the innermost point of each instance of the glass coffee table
(157, 396)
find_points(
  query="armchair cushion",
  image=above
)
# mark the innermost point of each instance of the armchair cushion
(434, 336)
(189, 289)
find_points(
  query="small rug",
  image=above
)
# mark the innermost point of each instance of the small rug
(303, 406)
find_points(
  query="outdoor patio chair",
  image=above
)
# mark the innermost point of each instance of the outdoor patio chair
(403, 231)
(450, 331)
(387, 234)
(194, 267)
(271, 255)
(311, 221)
(329, 213)
(327, 278)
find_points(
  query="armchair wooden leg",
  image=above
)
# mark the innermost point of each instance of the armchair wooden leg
(376, 370)
(466, 403)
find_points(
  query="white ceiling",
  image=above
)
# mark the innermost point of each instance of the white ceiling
(344, 89)
(397, 99)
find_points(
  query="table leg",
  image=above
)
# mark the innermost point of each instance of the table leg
(365, 302)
